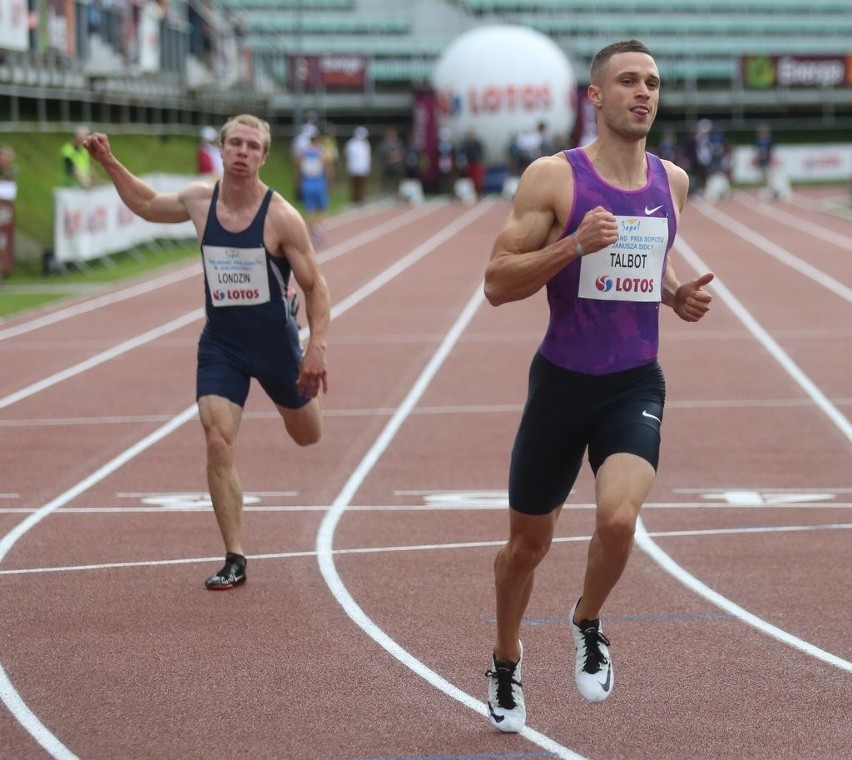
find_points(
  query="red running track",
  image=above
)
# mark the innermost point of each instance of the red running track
(365, 628)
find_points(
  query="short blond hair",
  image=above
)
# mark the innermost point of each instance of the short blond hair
(249, 120)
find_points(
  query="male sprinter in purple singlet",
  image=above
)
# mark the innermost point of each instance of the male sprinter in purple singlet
(593, 225)
(251, 240)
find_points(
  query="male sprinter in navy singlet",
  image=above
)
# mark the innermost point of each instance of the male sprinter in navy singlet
(251, 240)
(593, 225)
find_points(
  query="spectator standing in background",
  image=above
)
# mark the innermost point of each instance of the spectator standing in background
(763, 147)
(667, 147)
(413, 159)
(718, 186)
(513, 155)
(76, 162)
(547, 146)
(470, 160)
(358, 157)
(699, 155)
(300, 144)
(316, 171)
(209, 156)
(529, 146)
(8, 170)
(392, 158)
(446, 160)
(328, 139)
(201, 32)
(8, 193)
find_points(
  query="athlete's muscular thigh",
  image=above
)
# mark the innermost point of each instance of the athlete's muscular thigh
(622, 484)
(220, 419)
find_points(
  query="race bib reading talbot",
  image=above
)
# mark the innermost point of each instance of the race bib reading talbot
(631, 269)
(236, 276)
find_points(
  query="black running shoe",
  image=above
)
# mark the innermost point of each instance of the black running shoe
(233, 573)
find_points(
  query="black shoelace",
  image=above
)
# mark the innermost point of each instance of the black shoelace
(504, 672)
(593, 636)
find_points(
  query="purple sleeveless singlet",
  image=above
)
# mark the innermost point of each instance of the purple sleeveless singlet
(599, 337)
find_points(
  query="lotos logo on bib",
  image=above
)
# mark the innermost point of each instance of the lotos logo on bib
(604, 283)
(219, 295)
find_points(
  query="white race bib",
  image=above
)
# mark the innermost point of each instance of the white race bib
(236, 276)
(631, 269)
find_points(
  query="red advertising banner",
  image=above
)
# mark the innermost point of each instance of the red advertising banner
(424, 135)
(329, 72)
(586, 123)
(768, 72)
(7, 236)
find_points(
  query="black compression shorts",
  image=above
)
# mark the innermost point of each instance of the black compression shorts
(226, 368)
(568, 412)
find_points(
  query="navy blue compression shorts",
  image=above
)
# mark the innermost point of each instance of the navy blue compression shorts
(272, 357)
(567, 413)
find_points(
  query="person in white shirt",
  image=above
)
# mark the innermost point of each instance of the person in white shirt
(358, 157)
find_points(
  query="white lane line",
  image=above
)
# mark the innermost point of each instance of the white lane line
(104, 356)
(646, 543)
(643, 540)
(768, 343)
(325, 539)
(8, 694)
(192, 270)
(394, 223)
(796, 222)
(116, 296)
(329, 413)
(26, 717)
(198, 314)
(432, 507)
(697, 533)
(774, 250)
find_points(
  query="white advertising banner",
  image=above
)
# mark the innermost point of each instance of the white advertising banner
(800, 163)
(14, 34)
(95, 222)
(149, 37)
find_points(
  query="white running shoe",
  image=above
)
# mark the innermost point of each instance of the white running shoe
(593, 669)
(506, 695)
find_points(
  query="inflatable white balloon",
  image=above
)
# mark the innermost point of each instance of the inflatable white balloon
(501, 80)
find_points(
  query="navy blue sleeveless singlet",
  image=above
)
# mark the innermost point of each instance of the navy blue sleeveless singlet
(241, 339)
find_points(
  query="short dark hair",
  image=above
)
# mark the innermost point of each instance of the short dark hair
(623, 46)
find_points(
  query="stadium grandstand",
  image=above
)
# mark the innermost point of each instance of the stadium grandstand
(150, 63)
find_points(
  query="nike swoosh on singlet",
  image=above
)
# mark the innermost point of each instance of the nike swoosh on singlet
(649, 211)
(645, 414)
